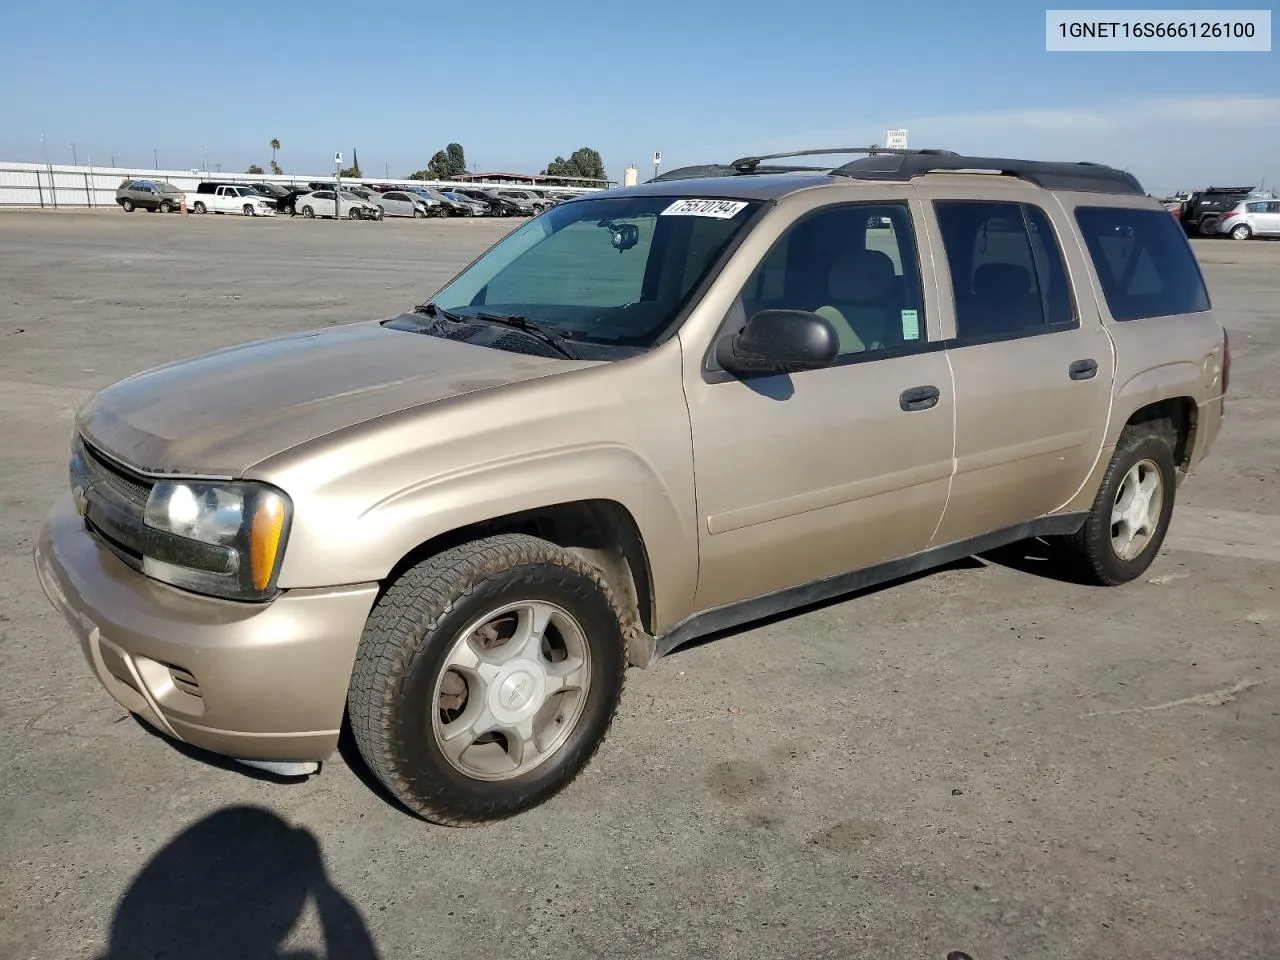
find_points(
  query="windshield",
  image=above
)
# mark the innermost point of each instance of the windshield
(611, 271)
(351, 196)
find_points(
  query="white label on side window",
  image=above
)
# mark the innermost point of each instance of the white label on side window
(910, 325)
(719, 209)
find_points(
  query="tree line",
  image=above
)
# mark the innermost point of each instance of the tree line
(451, 163)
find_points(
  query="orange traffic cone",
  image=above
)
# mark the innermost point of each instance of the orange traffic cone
(182, 205)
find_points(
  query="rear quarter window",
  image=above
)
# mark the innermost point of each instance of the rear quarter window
(1144, 262)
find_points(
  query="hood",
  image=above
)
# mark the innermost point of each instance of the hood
(219, 414)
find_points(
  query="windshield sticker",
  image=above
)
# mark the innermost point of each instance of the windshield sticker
(719, 209)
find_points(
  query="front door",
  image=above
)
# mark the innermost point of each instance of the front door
(1033, 365)
(809, 475)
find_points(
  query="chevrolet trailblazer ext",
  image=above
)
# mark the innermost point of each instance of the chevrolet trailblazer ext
(644, 415)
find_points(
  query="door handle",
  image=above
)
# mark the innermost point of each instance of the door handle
(919, 398)
(1083, 369)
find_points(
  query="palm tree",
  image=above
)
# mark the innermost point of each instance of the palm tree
(275, 145)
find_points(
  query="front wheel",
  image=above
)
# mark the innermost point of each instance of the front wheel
(487, 678)
(199, 207)
(166, 207)
(1131, 513)
(248, 210)
(1241, 232)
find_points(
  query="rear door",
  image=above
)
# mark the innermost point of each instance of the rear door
(1032, 363)
(1270, 219)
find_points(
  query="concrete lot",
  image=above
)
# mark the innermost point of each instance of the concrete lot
(983, 759)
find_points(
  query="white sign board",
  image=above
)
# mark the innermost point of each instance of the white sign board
(657, 157)
(896, 139)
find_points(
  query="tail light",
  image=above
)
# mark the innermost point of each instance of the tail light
(1226, 360)
(1228, 216)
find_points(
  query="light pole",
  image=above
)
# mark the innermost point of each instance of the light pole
(75, 162)
(337, 187)
(53, 190)
(206, 161)
(155, 158)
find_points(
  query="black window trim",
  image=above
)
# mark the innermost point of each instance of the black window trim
(1062, 326)
(713, 373)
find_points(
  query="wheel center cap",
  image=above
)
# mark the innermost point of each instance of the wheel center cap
(516, 690)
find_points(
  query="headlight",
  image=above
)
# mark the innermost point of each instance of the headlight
(226, 539)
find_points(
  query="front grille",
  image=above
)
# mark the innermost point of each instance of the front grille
(184, 681)
(129, 485)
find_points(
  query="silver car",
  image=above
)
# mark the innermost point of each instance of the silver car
(1251, 218)
(401, 203)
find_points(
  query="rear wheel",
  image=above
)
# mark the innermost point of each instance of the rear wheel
(1131, 513)
(1209, 226)
(308, 212)
(1241, 232)
(127, 205)
(487, 678)
(199, 207)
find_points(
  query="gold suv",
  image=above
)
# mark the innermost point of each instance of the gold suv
(645, 415)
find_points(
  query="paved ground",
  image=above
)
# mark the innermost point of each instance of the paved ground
(983, 759)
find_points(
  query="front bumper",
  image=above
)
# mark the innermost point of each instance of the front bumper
(256, 682)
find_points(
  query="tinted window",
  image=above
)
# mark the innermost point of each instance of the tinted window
(1007, 272)
(855, 265)
(1144, 262)
(1255, 207)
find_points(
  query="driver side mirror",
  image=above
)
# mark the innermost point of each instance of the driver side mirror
(779, 341)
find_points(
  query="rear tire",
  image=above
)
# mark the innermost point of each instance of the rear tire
(1209, 226)
(127, 205)
(199, 207)
(308, 213)
(1241, 232)
(470, 641)
(1120, 538)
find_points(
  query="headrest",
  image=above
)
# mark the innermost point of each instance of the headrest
(1001, 280)
(863, 277)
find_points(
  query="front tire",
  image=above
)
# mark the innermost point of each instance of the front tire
(1131, 513)
(166, 207)
(248, 210)
(487, 678)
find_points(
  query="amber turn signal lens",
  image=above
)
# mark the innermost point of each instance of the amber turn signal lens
(268, 525)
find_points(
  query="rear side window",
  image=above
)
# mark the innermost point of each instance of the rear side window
(1007, 271)
(1143, 261)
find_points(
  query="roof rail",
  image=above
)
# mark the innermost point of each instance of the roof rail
(723, 170)
(1082, 175)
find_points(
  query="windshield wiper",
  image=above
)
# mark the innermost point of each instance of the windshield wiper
(431, 310)
(549, 335)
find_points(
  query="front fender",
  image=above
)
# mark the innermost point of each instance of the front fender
(368, 496)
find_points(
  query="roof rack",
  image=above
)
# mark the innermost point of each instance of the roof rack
(886, 163)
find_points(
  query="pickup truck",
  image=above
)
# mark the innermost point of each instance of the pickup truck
(231, 198)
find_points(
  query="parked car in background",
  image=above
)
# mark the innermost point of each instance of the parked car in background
(149, 195)
(447, 207)
(403, 203)
(490, 206)
(466, 206)
(231, 198)
(1251, 218)
(323, 203)
(1201, 212)
(536, 202)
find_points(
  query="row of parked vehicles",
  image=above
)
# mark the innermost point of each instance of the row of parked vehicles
(1241, 213)
(331, 199)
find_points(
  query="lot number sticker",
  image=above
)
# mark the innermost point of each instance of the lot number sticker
(719, 209)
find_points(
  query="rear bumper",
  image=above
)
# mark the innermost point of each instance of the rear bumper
(265, 682)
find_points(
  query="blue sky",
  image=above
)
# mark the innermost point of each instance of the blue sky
(517, 84)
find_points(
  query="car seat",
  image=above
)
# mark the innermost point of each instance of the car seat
(863, 306)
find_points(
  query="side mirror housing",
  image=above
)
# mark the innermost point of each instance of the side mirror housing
(779, 341)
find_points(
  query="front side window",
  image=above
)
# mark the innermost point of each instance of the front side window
(606, 271)
(1008, 277)
(1143, 261)
(855, 265)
